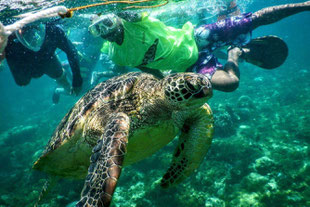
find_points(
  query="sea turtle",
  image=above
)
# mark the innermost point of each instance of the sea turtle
(124, 120)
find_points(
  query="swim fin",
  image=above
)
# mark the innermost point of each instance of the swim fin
(267, 52)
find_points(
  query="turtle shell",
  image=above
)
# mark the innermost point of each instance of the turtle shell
(69, 137)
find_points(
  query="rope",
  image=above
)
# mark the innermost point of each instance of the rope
(147, 7)
(70, 11)
(48, 13)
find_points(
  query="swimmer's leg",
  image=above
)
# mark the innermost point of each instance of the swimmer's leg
(63, 87)
(227, 79)
(22, 78)
(63, 82)
(273, 14)
(20, 72)
(54, 70)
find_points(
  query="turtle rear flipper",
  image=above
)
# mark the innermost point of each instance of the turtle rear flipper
(194, 142)
(106, 163)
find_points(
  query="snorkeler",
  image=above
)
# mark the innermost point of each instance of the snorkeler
(230, 10)
(30, 53)
(148, 44)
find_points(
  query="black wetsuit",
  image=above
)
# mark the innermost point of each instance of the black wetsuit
(26, 64)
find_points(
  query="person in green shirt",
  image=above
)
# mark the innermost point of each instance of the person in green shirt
(148, 44)
(139, 41)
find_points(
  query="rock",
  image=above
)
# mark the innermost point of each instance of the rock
(224, 126)
(272, 185)
(259, 79)
(254, 182)
(264, 165)
(19, 134)
(129, 196)
(246, 200)
(245, 102)
(245, 114)
(5, 198)
(214, 202)
(304, 128)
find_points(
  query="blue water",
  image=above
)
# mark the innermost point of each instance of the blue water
(259, 155)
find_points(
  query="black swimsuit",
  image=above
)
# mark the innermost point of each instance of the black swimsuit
(26, 64)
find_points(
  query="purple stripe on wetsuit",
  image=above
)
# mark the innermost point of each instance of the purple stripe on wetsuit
(206, 64)
(230, 31)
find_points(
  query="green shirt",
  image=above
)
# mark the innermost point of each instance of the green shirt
(150, 43)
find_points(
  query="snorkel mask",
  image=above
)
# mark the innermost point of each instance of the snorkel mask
(103, 26)
(32, 36)
(201, 35)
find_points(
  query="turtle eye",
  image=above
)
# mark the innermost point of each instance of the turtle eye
(191, 87)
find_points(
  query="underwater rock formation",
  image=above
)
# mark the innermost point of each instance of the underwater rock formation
(225, 121)
(18, 134)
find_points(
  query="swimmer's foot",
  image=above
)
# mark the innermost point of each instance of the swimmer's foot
(55, 98)
(244, 53)
(234, 53)
(94, 78)
(56, 95)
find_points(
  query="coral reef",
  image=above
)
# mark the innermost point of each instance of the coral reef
(259, 157)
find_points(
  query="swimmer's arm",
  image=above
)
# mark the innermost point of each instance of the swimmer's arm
(2, 48)
(3, 42)
(2, 56)
(66, 45)
(130, 16)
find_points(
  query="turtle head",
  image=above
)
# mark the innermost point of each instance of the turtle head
(187, 89)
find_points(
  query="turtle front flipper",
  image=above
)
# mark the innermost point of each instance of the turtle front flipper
(106, 163)
(194, 142)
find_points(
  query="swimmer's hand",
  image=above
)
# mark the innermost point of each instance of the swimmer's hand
(77, 82)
